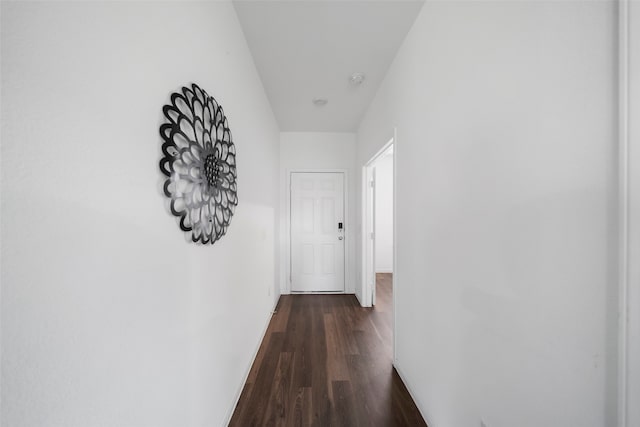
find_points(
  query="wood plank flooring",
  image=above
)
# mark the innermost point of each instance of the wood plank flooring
(326, 361)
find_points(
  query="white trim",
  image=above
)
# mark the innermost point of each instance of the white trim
(409, 388)
(373, 236)
(317, 292)
(287, 242)
(253, 359)
(381, 151)
(358, 298)
(623, 209)
(395, 243)
(369, 241)
(364, 274)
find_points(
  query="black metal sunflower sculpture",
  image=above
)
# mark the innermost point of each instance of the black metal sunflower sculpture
(199, 161)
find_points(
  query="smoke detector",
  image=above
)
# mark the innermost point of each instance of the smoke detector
(356, 79)
(320, 102)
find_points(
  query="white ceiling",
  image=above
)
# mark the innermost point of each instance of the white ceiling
(308, 49)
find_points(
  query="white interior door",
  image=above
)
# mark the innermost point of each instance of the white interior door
(317, 232)
(370, 233)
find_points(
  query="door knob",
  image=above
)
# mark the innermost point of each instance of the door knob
(340, 237)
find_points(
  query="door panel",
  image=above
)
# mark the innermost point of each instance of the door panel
(317, 243)
(370, 233)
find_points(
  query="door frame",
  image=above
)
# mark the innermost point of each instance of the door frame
(287, 241)
(368, 245)
(628, 218)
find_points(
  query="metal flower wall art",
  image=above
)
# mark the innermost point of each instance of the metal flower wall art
(199, 162)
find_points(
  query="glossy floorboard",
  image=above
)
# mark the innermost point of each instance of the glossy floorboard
(326, 361)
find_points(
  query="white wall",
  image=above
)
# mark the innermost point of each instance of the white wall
(316, 151)
(109, 317)
(384, 214)
(633, 355)
(505, 285)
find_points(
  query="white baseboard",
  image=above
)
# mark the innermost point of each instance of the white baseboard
(288, 292)
(384, 270)
(253, 359)
(408, 386)
(358, 298)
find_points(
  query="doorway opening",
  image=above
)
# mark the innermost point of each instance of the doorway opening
(378, 223)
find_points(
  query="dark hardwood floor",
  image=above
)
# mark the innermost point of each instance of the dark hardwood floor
(326, 361)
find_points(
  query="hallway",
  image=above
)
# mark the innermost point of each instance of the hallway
(327, 361)
(516, 213)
